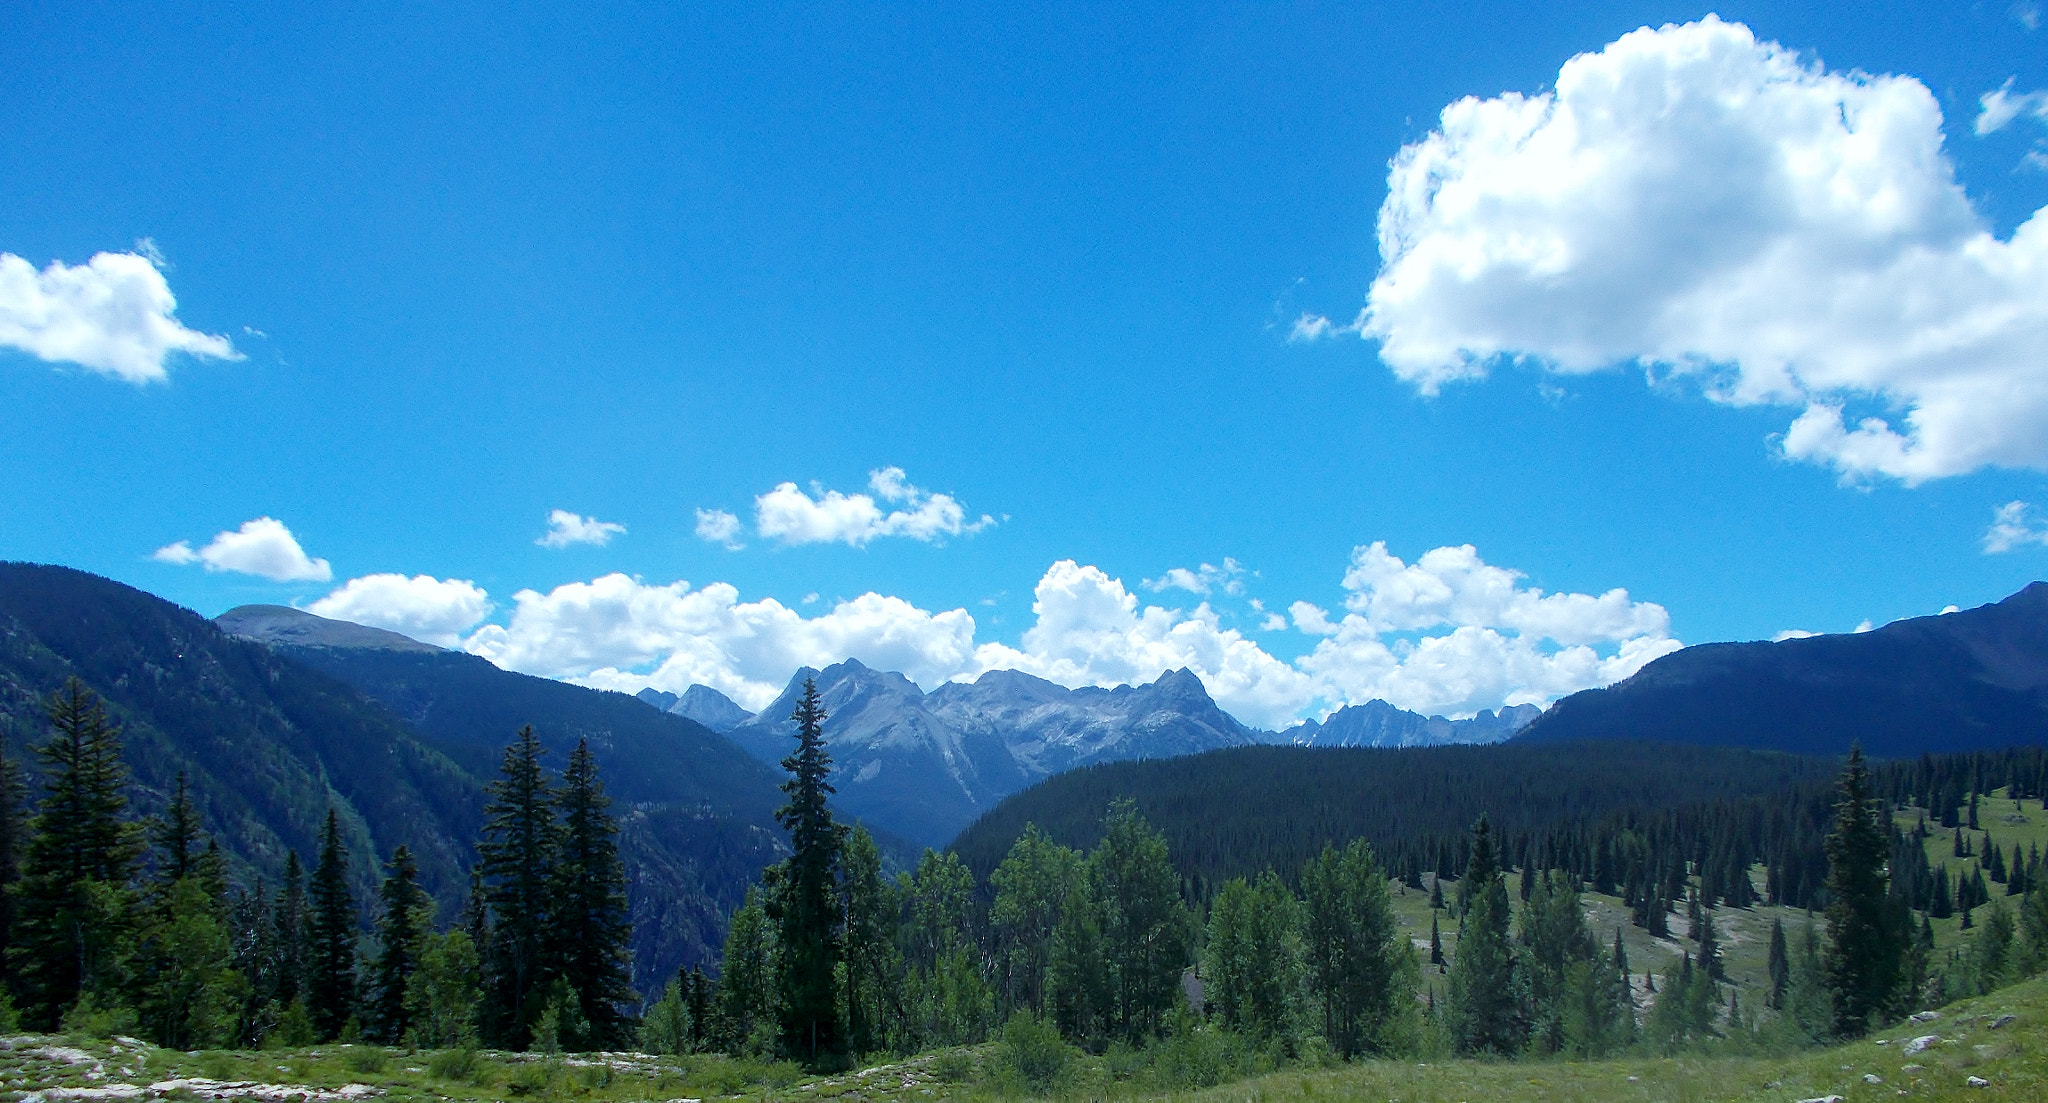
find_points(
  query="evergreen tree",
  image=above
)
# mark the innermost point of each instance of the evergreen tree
(1436, 941)
(74, 917)
(946, 999)
(804, 903)
(290, 925)
(406, 920)
(591, 923)
(874, 966)
(1554, 942)
(1360, 970)
(1709, 953)
(516, 860)
(1486, 1005)
(1866, 950)
(1145, 926)
(178, 835)
(331, 945)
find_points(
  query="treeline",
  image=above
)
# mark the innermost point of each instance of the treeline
(113, 924)
(1114, 949)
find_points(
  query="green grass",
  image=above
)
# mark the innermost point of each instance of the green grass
(2013, 1059)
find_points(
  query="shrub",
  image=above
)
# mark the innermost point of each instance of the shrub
(953, 1066)
(456, 1064)
(1033, 1049)
(364, 1059)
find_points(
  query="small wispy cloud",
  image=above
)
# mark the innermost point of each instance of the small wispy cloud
(2014, 526)
(566, 528)
(1203, 580)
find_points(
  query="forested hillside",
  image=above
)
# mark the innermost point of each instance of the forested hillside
(269, 744)
(1234, 812)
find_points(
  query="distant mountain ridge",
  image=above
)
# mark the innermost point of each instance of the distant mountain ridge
(1379, 724)
(1954, 682)
(701, 703)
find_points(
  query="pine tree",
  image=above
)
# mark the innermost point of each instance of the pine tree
(1555, 940)
(1486, 1005)
(1866, 950)
(74, 918)
(331, 949)
(1436, 941)
(406, 919)
(592, 924)
(290, 925)
(177, 835)
(1709, 954)
(805, 900)
(516, 858)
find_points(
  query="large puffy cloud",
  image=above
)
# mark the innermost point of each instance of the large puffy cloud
(599, 632)
(113, 314)
(788, 515)
(1447, 634)
(435, 610)
(1692, 198)
(263, 547)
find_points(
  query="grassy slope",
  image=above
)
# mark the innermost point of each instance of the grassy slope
(2013, 1059)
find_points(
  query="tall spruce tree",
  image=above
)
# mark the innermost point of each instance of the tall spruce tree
(804, 903)
(517, 856)
(405, 920)
(1779, 963)
(1486, 1004)
(177, 835)
(74, 904)
(1866, 943)
(331, 946)
(290, 927)
(591, 918)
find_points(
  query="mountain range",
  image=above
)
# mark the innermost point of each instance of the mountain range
(1959, 681)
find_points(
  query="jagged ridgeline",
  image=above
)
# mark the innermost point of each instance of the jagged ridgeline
(398, 736)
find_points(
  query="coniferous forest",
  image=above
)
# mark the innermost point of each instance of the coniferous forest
(1131, 924)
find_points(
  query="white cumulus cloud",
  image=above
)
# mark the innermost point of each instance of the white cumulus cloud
(566, 528)
(1693, 199)
(790, 516)
(433, 610)
(113, 314)
(262, 547)
(1448, 634)
(599, 632)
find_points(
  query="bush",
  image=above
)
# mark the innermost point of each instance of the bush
(456, 1064)
(88, 1018)
(1033, 1050)
(364, 1059)
(953, 1066)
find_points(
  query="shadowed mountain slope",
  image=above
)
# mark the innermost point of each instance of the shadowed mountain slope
(1961, 681)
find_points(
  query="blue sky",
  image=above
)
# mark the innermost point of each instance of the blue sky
(1097, 277)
